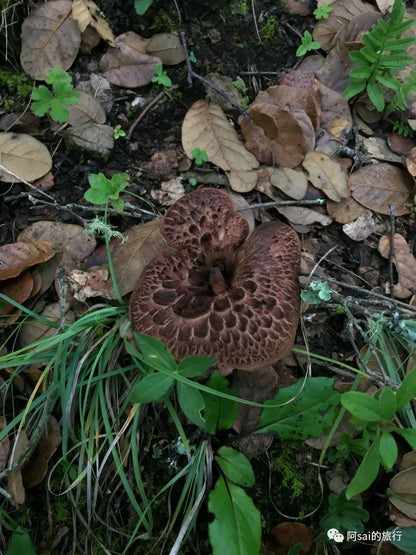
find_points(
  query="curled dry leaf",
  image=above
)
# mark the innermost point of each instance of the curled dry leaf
(405, 264)
(87, 13)
(326, 30)
(377, 186)
(19, 289)
(22, 158)
(326, 174)
(278, 135)
(50, 38)
(86, 110)
(127, 64)
(167, 47)
(35, 469)
(336, 116)
(205, 126)
(16, 257)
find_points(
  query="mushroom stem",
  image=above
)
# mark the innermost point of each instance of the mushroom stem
(217, 280)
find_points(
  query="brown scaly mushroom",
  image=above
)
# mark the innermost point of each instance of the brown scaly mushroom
(220, 295)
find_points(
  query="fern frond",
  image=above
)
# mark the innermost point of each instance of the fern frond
(383, 53)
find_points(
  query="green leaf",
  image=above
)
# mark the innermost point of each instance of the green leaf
(407, 390)
(95, 196)
(355, 87)
(153, 387)
(387, 403)
(58, 112)
(403, 538)
(375, 94)
(362, 406)
(388, 449)
(191, 403)
(195, 365)
(344, 514)
(304, 412)
(219, 413)
(58, 75)
(366, 473)
(409, 434)
(236, 529)
(155, 354)
(19, 543)
(236, 466)
(141, 6)
(117, 204)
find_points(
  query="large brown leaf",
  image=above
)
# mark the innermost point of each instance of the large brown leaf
(50, 38)
(377, 186)
(405, 264)
(86, 110)
(326, 174)
(127, 65)
(23, 158)
(206, 126)
(16, 257)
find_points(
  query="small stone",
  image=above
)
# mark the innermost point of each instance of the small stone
(93, 139)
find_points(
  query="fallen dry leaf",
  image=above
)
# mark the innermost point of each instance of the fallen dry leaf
(303, 216)
(16, 257)
(4, 445)
(50, 38)
(286, 535)
(36, 467)
(326, 30)
(345, 211)
(336, 116)
(278, 135)
(411, 162)
(335, 71)
(22, 158)
(167, 47)
(405, 264)
(33, 329)
(365, 225)
(170, 191)
(326, 174)
(377, 186)
(403, 486)
(85, 285)
(205, 126)
(293, 183)
(18, 289)
(86, 110)
(86, 12)
(14, 478)
(127, 65)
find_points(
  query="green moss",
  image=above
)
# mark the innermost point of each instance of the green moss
(270, 29)
(164, 22)
(15, 83)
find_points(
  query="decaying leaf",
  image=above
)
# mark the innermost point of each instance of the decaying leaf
(326, 174)
(36, 467)
(170, 191)
(50, 38)
(404, 492)
(405, 264)
(127, 64)
(167, 47)
(34, 329)
(18, 289)
(85, 285)
(14, 479)
(4, 445)
(326, 30)
(206, 126)
(335, 71)
(345, 211)
(365, 225)
(336, 116)
(303, 216)
(377, 186)
(287, 534)
(22, 158)
(291, 182)
(86, 110)
(16, 257)
(86, 12)
(68, 240)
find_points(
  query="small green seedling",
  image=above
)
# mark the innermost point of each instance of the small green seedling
(317, 292)
(118, 132)
(192, 181)
(192, 57)
(141, 6)
(403, 128)
(107, 191)
(241, 86)
(376, 417)
(63, 95)
(200, 155)
(307, 44)
(322, 12)
(161, 77)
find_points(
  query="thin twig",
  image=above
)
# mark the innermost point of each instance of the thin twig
(280, 203)
(391, 253)
(147, 108)
(187, 60)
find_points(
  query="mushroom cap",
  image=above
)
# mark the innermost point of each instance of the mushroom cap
(220, 296)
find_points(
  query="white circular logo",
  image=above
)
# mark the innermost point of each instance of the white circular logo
(334, 534)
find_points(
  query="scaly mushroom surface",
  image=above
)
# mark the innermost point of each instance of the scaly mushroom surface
(221, 295)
